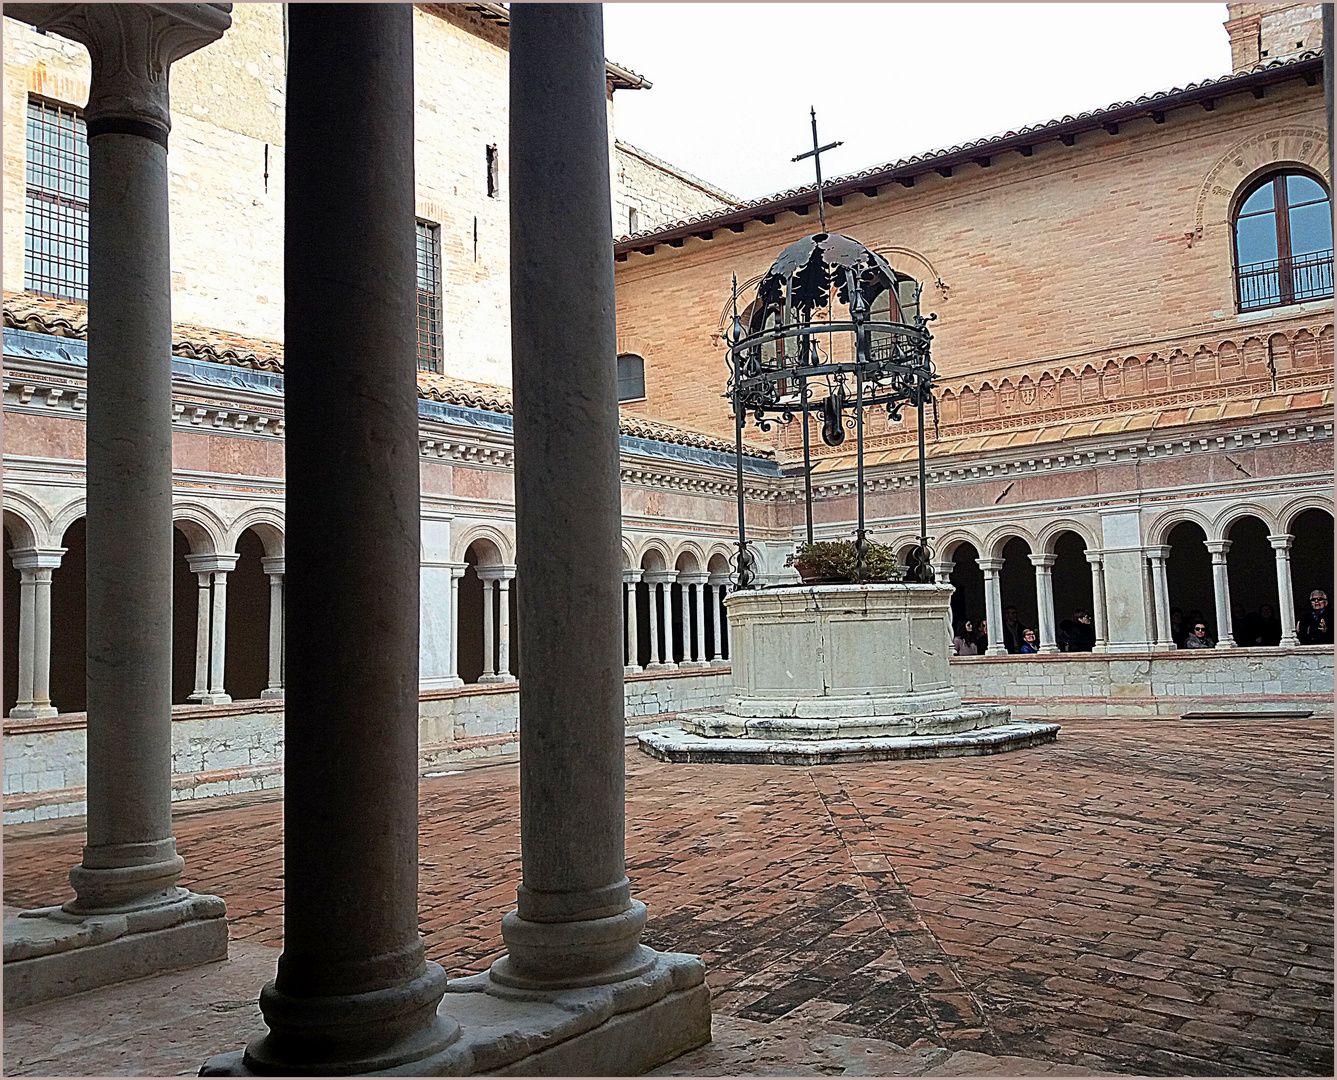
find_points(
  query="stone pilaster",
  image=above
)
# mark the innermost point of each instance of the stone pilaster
(1098, 620)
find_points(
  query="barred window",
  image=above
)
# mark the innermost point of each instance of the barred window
(429, 298)
(55, 235)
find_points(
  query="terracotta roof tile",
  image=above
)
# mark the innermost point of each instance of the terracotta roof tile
(69, 319)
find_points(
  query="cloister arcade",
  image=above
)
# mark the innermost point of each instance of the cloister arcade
(228, 591)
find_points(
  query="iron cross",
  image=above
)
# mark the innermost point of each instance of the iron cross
(816, 154)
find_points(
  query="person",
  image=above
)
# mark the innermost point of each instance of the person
(1062, 634)
(1030, 642)
(1249, 628)
(1269, 626)
(982, 638)
(1315, 625)
(1082, 636)
(964, 642)
(1011, 630)
(1198, 638)
(1178, 631)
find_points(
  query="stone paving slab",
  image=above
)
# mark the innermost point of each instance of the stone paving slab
(1137, 898)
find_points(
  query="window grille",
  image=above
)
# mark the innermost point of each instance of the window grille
(429, 298)
(55, 235)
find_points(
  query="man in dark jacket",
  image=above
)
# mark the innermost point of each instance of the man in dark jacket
(1315, 626)
(1011, 630)
(1081, 634)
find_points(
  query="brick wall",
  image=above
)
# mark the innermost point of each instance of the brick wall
(1272, 31)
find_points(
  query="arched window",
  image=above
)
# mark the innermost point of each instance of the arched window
(1283, 242)
(630, 377)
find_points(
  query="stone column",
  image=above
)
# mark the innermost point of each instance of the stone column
(1281, 549)
(693, 647)
(211, 625)
(456, 572)
(993, 605)
(661, 620)
(130, 861)
(1161, 589)
(1098, 619)
(575, 924)
(489, 629)
(273, 566)
(35, 566)
(504, 626)
(1044, 599)
(1225, 631)
(724, 627)
(354, 992)
(630, 577)
(713, 591)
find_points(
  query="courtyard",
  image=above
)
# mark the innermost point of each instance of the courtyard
(1148, 897)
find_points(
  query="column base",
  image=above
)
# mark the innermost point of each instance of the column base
(693, 664)
(32, 712)
(1226, 644)
(618, 1029)
(50, 953)
(661, 667)
(719, 661)
(211, 699)
(272, 692)
(492, 679)
(631, 669)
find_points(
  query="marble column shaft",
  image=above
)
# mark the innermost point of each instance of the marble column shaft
(35, 567)
(456, 573)
(632, 616)
(656, 637)
(1161, 591)
(489, 628)
(354, 992)
(1281, 549)
(713, 593)
(993, 606)
(1098, 617)
(1044, 599)
(575, 922)
(504, 627)
(273, 566)
(203, 615)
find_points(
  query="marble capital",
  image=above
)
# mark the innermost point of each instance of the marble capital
(36, 558)
(496, 572)
(212, 562)
(132, 47)
(273, 565)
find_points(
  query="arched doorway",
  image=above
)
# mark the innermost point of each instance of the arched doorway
(968, 584)
(1073, 591)
(1016, 583)
(247, 671)
(69, 623)
(1250, 569)
(1311, 556)
(1188, 573)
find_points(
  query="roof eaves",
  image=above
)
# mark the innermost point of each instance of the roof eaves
(1307, 65)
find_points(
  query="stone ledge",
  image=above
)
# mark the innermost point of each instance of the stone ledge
(672, 744)
(1192, 655)
(805, 729)
(49, 954)
(620, 1029)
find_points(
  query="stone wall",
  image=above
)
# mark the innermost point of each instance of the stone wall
(660, 193)
(236, 748)
(1238, 682)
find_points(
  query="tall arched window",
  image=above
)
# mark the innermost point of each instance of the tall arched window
(630, 377)
(1283, 242)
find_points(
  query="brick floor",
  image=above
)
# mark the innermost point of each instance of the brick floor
(1149, 897)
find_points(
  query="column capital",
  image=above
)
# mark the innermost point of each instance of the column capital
(693, 579)
(660, 577)
(631, 575)
(212, 562)
(131, 46)
(1043, 561)
(1217, 547)
(496, 572)
(35, 558)
(1094, 556)
(272, 565)
(719, 579)
(1281, 541)
(1157, 553)
(457, 569)
(989, 566)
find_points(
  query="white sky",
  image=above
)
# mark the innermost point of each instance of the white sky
(733, 82)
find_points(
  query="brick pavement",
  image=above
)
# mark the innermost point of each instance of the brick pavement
(1150, 897)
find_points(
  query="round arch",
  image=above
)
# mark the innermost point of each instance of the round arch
(999, 538)
(23, 529)
(1301, 147)
(1227, 519)
(268, 525)
(655, 556)
(1050, 532)
(1158, 532)
(202, 527)
(496, 543)
(1293, 509)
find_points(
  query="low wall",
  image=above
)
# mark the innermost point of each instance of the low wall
(236, 748)
(1237, 682)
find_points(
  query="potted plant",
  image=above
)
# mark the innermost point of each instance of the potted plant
(833, 562)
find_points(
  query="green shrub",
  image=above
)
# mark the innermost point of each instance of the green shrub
(836, 560)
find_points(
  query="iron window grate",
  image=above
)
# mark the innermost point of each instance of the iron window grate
(55, 235)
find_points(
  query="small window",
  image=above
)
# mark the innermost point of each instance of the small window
(493, 174)
(429, 298)
(633, 221)
(630, 377)
(1283, 242)
(55, 234)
